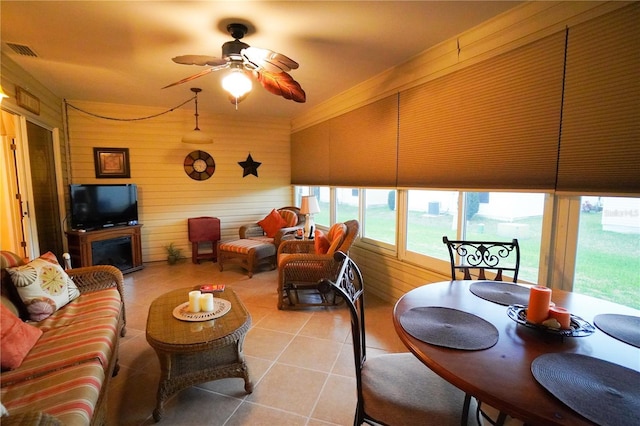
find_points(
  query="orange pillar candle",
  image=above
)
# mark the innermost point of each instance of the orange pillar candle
(539, 301)
(562, 316)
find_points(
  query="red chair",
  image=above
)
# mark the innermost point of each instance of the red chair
(202, 232)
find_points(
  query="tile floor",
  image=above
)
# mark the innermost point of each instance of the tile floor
(301, 362)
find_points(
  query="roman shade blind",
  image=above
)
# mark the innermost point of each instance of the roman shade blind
(354, 149)
(310, 155)
(600, 143)
(493, 125)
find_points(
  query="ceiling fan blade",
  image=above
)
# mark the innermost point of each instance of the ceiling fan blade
(201, 60)
(282, 84)
(193, 77)
(268, 60)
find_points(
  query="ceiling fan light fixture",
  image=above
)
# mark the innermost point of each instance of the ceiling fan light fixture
(196, 135)
(236, 82)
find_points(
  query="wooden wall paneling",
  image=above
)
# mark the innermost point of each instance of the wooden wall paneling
(167, 196)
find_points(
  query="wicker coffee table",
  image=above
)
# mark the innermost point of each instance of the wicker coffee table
(192, 352)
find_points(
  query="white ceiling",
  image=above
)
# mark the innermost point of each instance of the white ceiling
(120, 51)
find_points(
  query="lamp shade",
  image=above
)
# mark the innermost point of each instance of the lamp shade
(237, 83)
(309, 205)
(197, 136)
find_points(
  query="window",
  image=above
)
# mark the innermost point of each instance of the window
(323, 195)
(495, 216)
(380, 215)
(430, 215)
(608, 253)
(607, 241)
(300, 191)
(324, 202)
(347, 204)
(508, 215)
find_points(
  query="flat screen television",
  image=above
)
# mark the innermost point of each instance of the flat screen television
(95, 206)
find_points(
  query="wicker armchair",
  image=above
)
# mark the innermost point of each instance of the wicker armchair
(300, 271)
(255, 232)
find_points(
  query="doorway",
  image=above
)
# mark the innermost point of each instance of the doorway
(44, 189)
(12, 228)
(31, 214)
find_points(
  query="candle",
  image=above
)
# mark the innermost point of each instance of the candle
(194, 301)
(562, 316)
(539, 301)
(206, 302)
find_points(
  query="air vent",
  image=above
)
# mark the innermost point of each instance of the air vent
(23, 50)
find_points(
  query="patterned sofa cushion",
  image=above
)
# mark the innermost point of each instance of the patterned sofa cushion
(87, 307)
(290, 217)
(62, 347)
(70, 394)
(85, 330)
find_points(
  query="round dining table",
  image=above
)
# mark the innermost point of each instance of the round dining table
(501, 375)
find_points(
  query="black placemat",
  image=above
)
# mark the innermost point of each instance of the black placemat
(603, 392)
(501, 292)
(622, 327)
(450, 328)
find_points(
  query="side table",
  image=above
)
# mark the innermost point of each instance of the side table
(196, 352)
(204, 231)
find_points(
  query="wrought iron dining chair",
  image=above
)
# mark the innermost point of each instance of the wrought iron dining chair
(392, 389)
(482, 257)
(479, 257)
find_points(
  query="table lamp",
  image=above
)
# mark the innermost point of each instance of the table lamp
(308, 208)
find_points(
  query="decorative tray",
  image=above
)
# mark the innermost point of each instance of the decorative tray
(220, 307)
(579, 327)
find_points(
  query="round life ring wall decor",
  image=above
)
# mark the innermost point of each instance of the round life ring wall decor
(199, 165)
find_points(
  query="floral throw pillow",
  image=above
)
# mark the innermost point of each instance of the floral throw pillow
(43, 286)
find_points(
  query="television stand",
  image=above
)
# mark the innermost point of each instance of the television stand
(119, 246)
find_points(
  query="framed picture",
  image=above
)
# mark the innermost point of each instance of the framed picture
(111, 162)
(27, 100)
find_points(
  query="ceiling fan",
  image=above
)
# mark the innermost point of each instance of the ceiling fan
(268, 67)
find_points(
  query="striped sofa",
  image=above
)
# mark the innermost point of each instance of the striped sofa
(64, 377)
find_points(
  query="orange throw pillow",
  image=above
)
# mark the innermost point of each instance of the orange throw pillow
(272, 223)
(16, 339)
(321, 242)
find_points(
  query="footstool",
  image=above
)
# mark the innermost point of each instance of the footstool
(248, 253)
